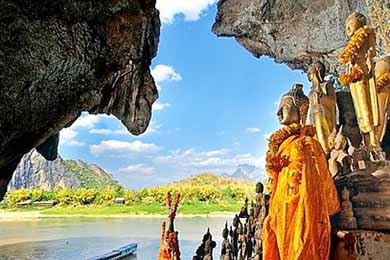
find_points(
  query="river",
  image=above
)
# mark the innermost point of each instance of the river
(82, 238)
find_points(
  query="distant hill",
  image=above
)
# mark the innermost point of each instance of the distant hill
(206, 187)
(212, 179)
(34, 171)
(247, 172)
(90, 175)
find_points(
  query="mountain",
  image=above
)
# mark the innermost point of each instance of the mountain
(247, 172)
(34, 171)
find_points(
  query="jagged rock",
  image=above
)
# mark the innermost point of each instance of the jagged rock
(49, 148)
(293, 32)
(59, 58)
(34, 171)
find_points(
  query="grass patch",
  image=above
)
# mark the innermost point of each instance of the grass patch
(151, 209)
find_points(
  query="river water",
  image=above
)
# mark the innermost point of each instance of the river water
(82, 238)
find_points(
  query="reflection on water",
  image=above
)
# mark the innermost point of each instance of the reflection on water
(82, 238)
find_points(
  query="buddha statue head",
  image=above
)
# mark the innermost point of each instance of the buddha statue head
(259, 187)
(354, 22)
(236, 221)
(316, 71)
(207, 235)
(293, 106)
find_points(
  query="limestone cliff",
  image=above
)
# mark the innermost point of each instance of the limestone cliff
(59, 58)
(34, 171)
(292, 32)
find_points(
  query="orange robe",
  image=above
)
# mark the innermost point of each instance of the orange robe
(302, 199)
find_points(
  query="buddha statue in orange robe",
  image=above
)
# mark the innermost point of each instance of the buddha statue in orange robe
(303, 194)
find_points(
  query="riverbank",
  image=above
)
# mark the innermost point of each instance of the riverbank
(116, 211)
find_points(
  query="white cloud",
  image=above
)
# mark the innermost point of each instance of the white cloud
(68, 137)
(138, 169)
(220, 160)
(191, 9)
(158, 106)
(116, 147)
(220, 152)
(88, 120)
(153, 128)
(163, 73)
(105, 131)
(252, 130)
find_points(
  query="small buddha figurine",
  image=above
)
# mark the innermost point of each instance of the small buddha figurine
(229, 253)
(226, 249)
(358, 57)
(205, 250)
(235, 234)
(322, 104)
(209, 247)
(251, 221)
(244, 210)
(243, 245)
(303, 193)
(258, 251)
(340, 161)
(346, 218)
(260, 202)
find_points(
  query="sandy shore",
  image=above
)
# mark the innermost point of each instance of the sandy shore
(36, 215)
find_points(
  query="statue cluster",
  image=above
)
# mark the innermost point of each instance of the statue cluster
(169, 243)
(243, 240)
(358, 135)
(205, 250)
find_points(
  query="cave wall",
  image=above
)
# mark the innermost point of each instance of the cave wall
(292, 32)
(59, 58)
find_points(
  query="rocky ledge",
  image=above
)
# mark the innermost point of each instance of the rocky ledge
(59, 58)
(292, 32)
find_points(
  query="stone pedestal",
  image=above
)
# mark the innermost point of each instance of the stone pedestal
(369, 191)
(362, 228)
(360, 245)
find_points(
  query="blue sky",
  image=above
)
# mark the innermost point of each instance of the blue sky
(217, 105)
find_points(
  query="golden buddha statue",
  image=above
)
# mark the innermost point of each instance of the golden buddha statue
(322, 104)
(382, 77)
(358, 57)
(303, 194)
(339, 160)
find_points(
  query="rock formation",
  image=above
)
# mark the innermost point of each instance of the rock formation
(34, 171)
(59, 58)
(291, 32)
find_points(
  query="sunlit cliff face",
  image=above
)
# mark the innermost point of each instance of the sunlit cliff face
(288, 112)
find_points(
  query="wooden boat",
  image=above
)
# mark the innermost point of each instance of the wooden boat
(120, 253)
